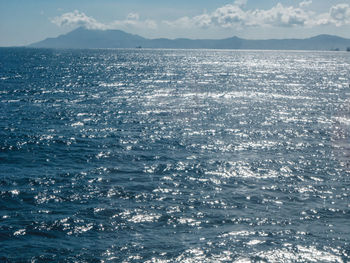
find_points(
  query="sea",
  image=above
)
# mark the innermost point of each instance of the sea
(151, 155)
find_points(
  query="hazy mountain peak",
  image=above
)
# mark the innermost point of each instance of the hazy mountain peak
(326, 36)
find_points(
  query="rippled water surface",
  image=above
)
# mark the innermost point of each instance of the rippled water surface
(174, 156)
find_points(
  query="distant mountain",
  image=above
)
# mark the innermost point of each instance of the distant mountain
(86, 38)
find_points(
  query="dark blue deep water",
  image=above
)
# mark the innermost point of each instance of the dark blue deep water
(174, 156)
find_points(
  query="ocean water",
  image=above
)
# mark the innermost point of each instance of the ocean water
(174, 156)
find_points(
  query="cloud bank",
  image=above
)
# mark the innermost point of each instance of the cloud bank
(78, 18)
(232, 16)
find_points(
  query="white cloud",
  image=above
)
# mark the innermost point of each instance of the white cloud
(235, 16)
(133, 16)
(77, 18)
(281, 16)
(305, 3)
(228, 16)
(231, 16)
(241, 2)
(340, 14)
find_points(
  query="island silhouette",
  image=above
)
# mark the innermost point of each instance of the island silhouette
(82, 38)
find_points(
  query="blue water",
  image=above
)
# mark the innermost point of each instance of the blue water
(174, 156)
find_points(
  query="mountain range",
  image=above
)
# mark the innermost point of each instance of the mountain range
(86, 38)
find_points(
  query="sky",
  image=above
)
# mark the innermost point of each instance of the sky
(27, 21)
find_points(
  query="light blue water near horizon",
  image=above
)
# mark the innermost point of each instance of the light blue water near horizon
(174, 156)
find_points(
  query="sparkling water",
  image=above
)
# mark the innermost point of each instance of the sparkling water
(174, 156)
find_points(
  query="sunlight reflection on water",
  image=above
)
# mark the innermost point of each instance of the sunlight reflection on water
(174, 156)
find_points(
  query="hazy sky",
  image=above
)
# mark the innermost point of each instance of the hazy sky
(26, 21)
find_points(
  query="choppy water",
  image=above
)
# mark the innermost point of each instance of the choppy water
(174, 156)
